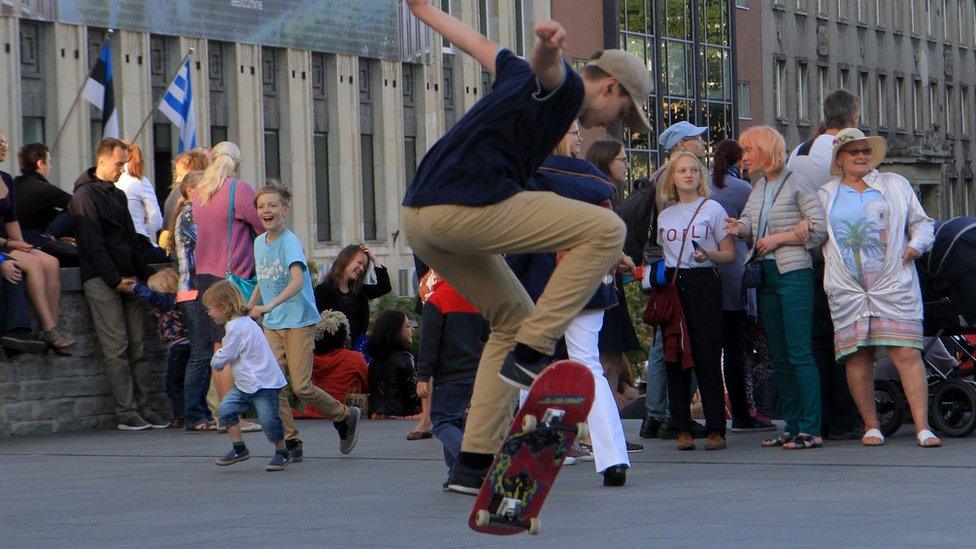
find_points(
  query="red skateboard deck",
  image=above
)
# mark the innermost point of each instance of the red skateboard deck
(525, 468)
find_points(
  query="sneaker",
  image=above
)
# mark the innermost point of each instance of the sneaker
(667, 431)
(444, 487)
(233, 457)
(633, 447)
(615, 475)
(154, 421)
(751, 424)
(569, 460)
(520, 374)
(685, 442)
(715, 442)
(278, 462)
(581, 451)
(295, 452)
(466, 480)
(250, 427)
(133, 423)
(650, 426)
(22, 340)
(348, 430)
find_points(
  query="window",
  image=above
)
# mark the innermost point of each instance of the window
(33, 70)
(933, 103)
(320, 147)
(959, 20)
(743, 94)
(899, 103)
(917, 105)
(821, 88)
(779, 78)
(862, 78)
(882, 101)
(163, 62)
(949, 109)
(945, 20)
(964, 112)
(860, 11)
(844, 79)
(368, 179)
(744, 4)
(879, 19)
(800, 5)
(822, 7)
(974, 22)
(447, 84)
(271, 63)
(929, 15)
(519, 27)
(802, 93)
(840, 7)
(409, 123)
(911, 15)
(446, 8)
(218, 67)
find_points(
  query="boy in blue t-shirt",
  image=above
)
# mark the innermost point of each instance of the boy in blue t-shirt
(290, 316)
(466, 207)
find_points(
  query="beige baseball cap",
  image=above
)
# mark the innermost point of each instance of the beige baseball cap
(634, 77)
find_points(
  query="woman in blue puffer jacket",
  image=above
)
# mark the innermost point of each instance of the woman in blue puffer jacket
(566, 175)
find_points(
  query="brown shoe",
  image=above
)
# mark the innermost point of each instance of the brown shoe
(685, 442)
(715, 442)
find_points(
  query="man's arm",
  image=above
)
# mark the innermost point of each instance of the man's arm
(547, 54)
(456, 32)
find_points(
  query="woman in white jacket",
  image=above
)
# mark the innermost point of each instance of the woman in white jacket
(876, 229)
(141, 196)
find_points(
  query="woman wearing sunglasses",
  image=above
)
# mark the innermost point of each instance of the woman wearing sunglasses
(876, 229)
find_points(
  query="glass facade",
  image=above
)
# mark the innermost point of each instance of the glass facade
(687, 45)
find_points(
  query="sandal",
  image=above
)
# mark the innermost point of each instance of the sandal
(777, 440)
(927, 439)
(419, 435)
(872, 434)
(803, 442)
(201, 426)
(58, 341)
(250, 427)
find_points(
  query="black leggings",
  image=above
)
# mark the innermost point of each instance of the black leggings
(700, 292)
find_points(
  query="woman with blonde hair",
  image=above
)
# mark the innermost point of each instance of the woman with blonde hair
(694, 240)
(780, 200)
(225, 235)
(143, 204)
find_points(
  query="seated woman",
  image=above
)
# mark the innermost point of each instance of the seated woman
(345, 289)
(42, 271)
(392, 377)
(335, 369)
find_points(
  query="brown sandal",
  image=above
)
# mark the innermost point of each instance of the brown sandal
(202, 426)
(58, 341)
(419, 435)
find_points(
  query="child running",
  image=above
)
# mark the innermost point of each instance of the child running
(290, 317)
(257, 378)
(465, 208)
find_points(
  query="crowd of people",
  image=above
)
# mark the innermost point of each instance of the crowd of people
(805, 257)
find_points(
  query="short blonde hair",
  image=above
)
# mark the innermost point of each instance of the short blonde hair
(667, 192)
(769, 149)
(226, 297)
(165, 281)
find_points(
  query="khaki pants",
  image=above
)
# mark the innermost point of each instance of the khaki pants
(464, 245)
(119, 322)
(292, 347)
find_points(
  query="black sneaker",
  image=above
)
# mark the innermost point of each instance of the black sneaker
(615, 475)
(649, 427)
(233, 457)
(277, 463)
(22, 340)
(295, 452)
(634, 448)
(466, 480)
(522, 374)
(348, 430)
(133, 423)
(154, 421)
(751, 425)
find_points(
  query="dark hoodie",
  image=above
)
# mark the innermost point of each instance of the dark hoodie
(108, 245)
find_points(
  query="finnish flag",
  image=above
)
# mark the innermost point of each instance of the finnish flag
(178, 107)
(99, 92)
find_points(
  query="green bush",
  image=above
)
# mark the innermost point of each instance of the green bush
(636, 301)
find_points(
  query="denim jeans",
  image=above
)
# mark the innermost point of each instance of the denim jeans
(265, 402)
(448, 412)
(657, 381)
(176, 360)
(196, 381)
(13, 306)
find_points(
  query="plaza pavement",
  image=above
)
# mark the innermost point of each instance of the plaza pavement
(160, 488)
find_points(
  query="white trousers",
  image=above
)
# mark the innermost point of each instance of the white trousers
(606, 431)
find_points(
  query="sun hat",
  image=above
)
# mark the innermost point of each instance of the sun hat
(633, 75)
(879, 147)
(678, 132)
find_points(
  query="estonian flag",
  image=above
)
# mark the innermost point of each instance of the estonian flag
(177, 105)
(99, 92)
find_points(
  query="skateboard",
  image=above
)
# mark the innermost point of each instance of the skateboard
(525, 468)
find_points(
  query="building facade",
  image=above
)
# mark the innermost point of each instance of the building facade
(911, 63)
(340, 103)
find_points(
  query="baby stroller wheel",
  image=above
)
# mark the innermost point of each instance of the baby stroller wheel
(891, 406)
(952, 409)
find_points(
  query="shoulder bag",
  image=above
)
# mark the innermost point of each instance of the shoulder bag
(663, 303)
(752, 276)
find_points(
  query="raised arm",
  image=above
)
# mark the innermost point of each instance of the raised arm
(547, 54)
(458, 33)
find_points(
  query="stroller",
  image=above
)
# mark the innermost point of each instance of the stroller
(947, 276)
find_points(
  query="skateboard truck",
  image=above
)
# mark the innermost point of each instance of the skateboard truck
(551, 415)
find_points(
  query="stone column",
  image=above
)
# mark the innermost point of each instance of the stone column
(297, 153)
(344, 110)
(246, 127)
(133, 88)
(74, 150)
(10, 108)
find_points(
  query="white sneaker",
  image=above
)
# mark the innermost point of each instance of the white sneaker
(570, 460)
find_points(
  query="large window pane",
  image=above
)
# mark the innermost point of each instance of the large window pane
(272, 155)
(323, 199)
(369, 187)
(677, 19)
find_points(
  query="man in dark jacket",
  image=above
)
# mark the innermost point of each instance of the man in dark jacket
(43, 207)
(112, 256)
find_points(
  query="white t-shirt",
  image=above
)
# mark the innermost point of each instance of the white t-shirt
(246, 350)
(816, 163)
(707, 230)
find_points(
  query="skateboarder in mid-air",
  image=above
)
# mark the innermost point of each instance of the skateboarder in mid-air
(467, 206)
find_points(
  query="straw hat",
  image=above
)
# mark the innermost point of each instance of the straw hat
(879, 147)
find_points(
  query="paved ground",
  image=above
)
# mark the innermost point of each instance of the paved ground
(160, 488)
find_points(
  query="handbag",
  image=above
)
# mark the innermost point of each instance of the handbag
(752, 276)
(244, 285)
(664, 304)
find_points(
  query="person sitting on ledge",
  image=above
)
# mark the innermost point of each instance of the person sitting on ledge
(392, 377)
(336, 369)
(15, 332)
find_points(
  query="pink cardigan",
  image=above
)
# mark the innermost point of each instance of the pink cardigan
(211, 221)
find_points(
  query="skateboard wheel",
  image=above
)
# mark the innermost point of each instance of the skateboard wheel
(482, 518)
(582, 430)
(529, 422)
(535, 525)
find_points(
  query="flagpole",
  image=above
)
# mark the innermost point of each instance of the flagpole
(156, 106)
(81, 89)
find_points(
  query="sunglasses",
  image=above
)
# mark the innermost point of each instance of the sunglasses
(866, 151)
